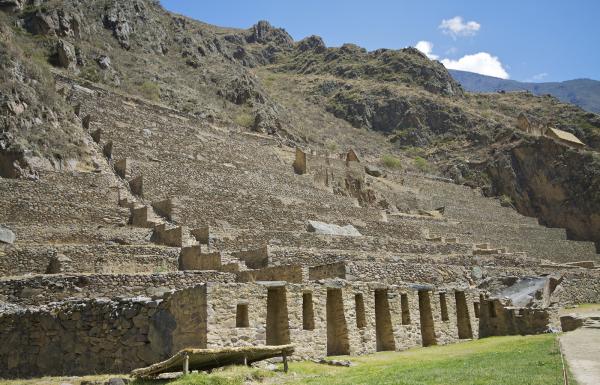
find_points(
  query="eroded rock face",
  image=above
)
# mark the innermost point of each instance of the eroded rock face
(11, 5)
(66, 54)
(553, 182)
(263, 32)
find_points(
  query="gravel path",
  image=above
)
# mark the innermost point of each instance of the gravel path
(581, 348)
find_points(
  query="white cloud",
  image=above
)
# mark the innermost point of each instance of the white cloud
(482, 63)
(538, 77)
(426, 47)
(456, 27)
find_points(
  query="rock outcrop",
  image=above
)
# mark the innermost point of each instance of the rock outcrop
(548, 180)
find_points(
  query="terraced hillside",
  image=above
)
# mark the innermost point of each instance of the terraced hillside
(207, 192)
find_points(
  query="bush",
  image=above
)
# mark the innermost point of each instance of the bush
(150, 91)
(245, 120)
(506, 201)
(331, 146)
(422, 164)
(391, 161)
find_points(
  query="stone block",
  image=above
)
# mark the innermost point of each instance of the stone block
(137, 185)
(192, 258)
(121, 168)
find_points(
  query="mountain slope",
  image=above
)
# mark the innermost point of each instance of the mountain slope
(383, 103)
(584, 93)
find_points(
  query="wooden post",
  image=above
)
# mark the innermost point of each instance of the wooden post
(285, 362)
(186, 364)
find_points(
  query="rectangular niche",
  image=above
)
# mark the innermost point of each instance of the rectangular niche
(443, 307)
(405, 309)
(241, 316)
(308, 314)
(359, 303)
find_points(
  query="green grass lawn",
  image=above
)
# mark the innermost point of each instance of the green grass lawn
(495, 361)
(500, 360)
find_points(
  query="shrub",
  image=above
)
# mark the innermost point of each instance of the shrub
(150, 91)
(391, 161)
(331, 146)
(422, 164)
(506, 201)
(245, 120)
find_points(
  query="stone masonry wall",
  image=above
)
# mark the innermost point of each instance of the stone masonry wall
(100, 336)
(43, 289)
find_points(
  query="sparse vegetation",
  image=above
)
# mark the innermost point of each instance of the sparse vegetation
(244, 119)
(422, 164)
(331, 146)
(150, 91)
(391, 161)
(506, 201)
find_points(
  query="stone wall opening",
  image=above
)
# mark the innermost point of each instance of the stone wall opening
(405, 309)
(492, 309)
(426, 316)
(443, 307)
(308, 313)
(383, 322)
(241, 316)
(337, 329)
(359, 304)
(278, 332)
(462, 316)
(476, 309)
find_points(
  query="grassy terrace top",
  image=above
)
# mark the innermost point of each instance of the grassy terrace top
(499, 360)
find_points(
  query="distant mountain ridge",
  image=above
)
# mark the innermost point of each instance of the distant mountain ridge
(584, 93)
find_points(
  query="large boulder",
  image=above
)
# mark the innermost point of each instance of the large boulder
(66, 54)
(7, 236)
(331, 229)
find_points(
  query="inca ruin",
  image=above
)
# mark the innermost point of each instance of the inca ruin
(177, 226)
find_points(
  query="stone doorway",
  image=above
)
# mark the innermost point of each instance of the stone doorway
(462, 316)
(427, 327)
(383, 322)
(337, 329)
(278, 332)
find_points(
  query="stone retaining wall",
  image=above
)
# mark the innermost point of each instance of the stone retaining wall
(44, 289)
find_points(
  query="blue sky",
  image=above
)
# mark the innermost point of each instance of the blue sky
(524, 40)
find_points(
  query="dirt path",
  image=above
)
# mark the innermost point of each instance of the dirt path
(581, 348)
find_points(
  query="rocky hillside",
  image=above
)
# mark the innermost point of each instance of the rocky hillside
(396, 107)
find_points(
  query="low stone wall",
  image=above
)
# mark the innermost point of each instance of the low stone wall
(497, 320)
(44, 289)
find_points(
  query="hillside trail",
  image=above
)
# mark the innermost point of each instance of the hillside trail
(581, 348)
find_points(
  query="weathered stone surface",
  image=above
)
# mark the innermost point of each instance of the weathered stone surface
(104, 62)
(7, 235)
(66, 54)
(373, 171)
(331, 229)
